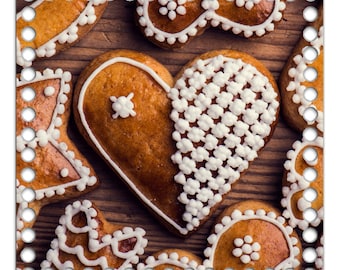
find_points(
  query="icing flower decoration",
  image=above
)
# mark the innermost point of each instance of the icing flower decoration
(248, 4)
(123, 106)
(172, 7)
(246, 249)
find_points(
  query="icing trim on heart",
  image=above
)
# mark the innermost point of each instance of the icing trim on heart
(297, 80)
(94, 243)
(100, 148)
(223, 110)
(208, 16)
(297, 183)
(69, 35)
(268, 216)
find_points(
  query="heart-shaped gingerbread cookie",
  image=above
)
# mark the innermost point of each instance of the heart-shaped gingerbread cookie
(86, 239)
(178, 147)
(172, 23)
(59, 170)
(57, 25)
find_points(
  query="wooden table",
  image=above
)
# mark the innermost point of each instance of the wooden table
(115, 30)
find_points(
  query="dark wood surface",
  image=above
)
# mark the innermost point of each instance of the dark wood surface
(115, 30)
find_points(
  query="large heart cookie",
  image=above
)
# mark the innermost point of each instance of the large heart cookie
(300, 92)
(60, 171)
(57, 25)
(86, 239)
(172, 23)
(179, 148)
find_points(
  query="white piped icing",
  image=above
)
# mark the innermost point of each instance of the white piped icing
(220, 125)
(68, 35)
(173, 259)
(246, 249)
(122, 106)
(95, 243)
(51, 136)
(297, 183)
(208, 16)
(319, 262)
(237, 216)
(296, 74)
(172, 8)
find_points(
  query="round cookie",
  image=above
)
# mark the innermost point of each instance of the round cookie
(252, 235)
(57, 25)
(173, 23)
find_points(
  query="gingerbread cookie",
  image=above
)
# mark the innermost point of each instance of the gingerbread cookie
(179, 147)
(303, 175)
(59, 170)
(173, 23)
(300, 92)
(86, 239)
(252, 235)
(176, 259)
(57, 25)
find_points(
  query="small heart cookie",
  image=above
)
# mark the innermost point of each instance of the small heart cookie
(173, 23)
(57, 25)
(59, 170)
(179, 147)
(252, 235)
(300, 91)
(86, 239)
(176, 259)
(302, 177)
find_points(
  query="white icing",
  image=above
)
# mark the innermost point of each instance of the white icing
(213, 126)
(209, 16)
(297, 80)
(297, 183)
(95, 243)
(246, 249)
(51, 136)
(243, 248)
(172, 8)
(68, 35)
(173, 259)
(319, 262)
(122, 106)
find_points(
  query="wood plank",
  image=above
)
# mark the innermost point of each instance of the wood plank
(117, 29)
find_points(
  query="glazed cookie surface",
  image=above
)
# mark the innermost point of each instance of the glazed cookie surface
(86, 239)
(252, 235)
(59, 170)
(180, 146)
(57, 25)
(298, 92)
(173, 23)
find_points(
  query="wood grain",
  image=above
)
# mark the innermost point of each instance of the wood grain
(116, 30)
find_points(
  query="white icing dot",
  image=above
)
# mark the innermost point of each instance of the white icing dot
(64, 172)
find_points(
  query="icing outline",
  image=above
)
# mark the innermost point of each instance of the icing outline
(296, 84)
(51, 135)
(68, 35)
(94, 244)
(297, 184)
(208, 16)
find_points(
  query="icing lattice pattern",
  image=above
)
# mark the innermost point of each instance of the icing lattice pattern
(223, 110)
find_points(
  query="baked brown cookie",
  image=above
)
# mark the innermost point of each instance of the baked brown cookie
(58, 170)
(303, 175)
(299, 92)
(86, 239)
(178, 146)
(176, 259)
(173, 23)
(57, 25)
(253, 235)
